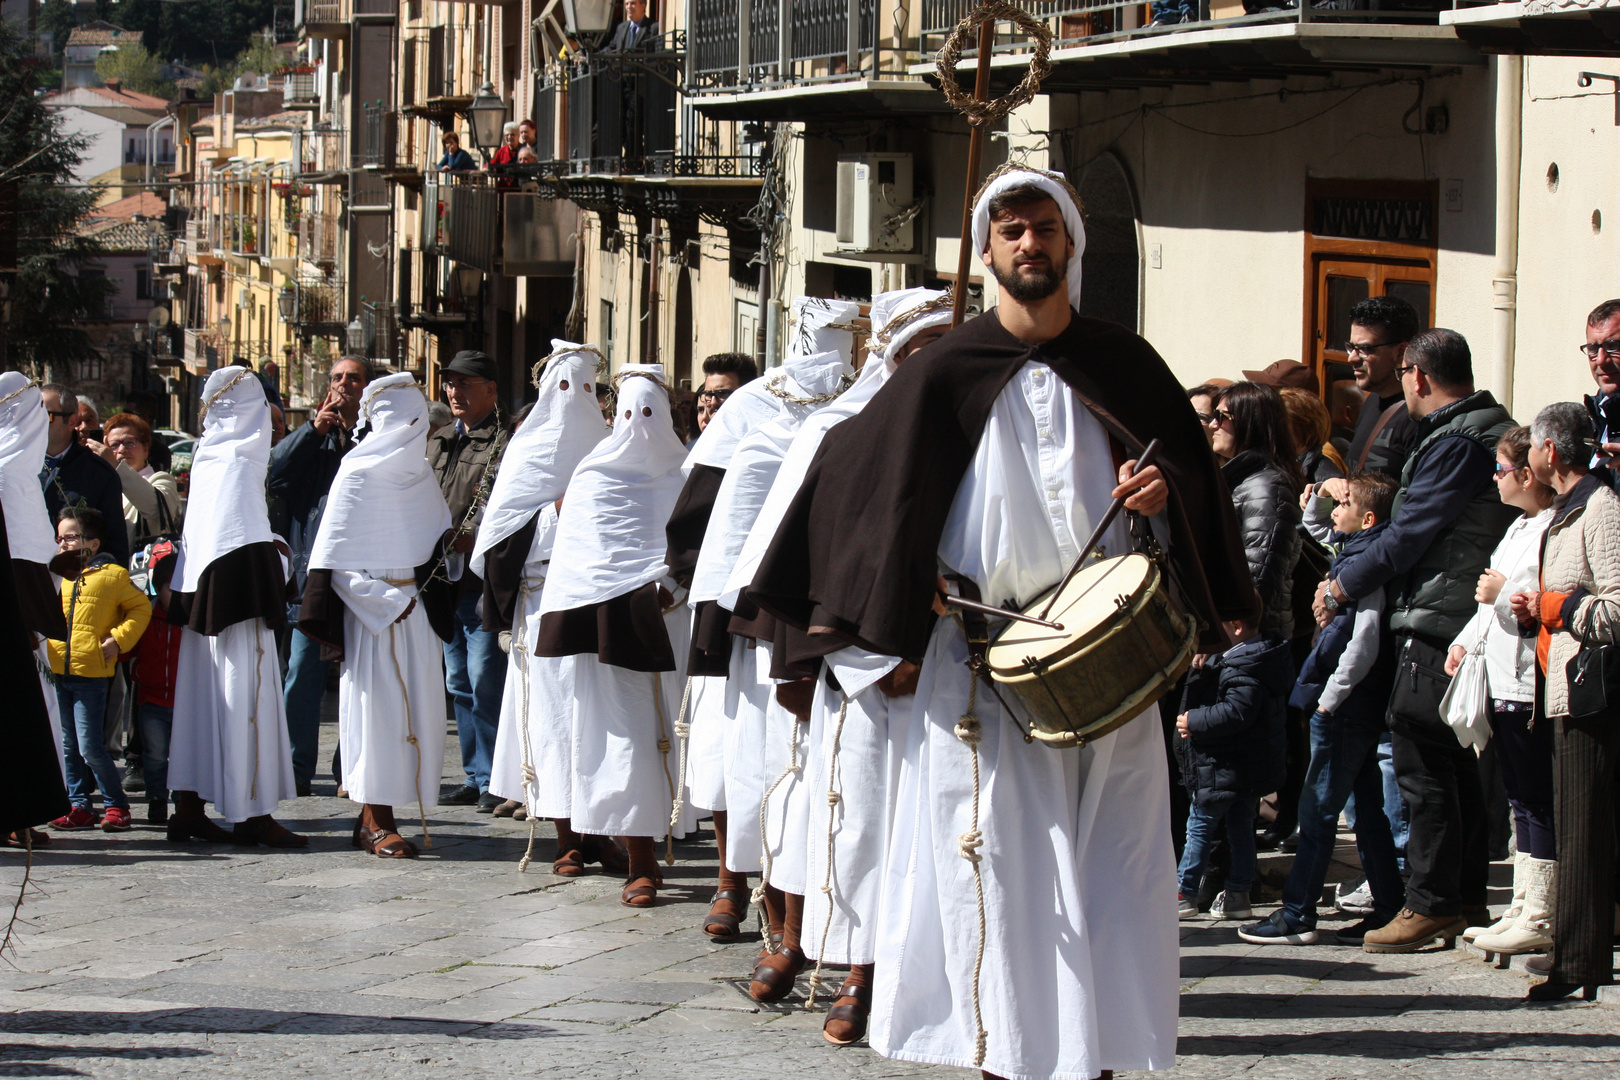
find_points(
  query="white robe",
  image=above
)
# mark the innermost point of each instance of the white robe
(747, 697)
(53, 707)
(390, 691)
(706, 743)
(852, 833)
(230, 743)
(1080, 966)
(601, 765)
(789, 762)
(538, 688)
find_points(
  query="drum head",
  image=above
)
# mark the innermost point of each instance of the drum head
(1086, 608)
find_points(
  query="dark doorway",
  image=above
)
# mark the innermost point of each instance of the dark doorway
(1112, 262)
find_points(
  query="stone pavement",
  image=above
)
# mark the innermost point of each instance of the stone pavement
(141, 959)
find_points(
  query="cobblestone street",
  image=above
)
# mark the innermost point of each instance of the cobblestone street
(144, 959)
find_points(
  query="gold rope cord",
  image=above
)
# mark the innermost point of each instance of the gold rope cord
(258, 691)
(833, 799)
(410, 736)
(202, 414)
(26, 385)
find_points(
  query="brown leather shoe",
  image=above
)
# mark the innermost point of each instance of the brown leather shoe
(846, 1020)
(1409, 932)
(266, 830)
(775, 974)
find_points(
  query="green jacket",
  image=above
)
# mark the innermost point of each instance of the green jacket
(1435, 597)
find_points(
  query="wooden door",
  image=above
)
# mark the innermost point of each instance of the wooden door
(1342, 282)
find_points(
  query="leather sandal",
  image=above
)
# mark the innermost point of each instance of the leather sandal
(568, 863)
(729, 923)
(641, 892)
(268, 831)
(383, 843)
(189, 828)
(854, 1015)
(775, 974)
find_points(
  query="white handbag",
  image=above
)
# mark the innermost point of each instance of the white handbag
(1466, 705)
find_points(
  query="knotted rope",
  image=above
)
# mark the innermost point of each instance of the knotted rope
(833, 799)
(663, 750)
(531, 783)
(410, 736)
(683, 731)
(968, 845)
(766, 859)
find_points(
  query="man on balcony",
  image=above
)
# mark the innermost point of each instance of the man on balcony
(636, 31)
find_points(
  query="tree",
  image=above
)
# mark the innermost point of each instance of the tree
(41, 209)
(136, 69)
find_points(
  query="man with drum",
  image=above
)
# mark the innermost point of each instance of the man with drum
(1029, 908)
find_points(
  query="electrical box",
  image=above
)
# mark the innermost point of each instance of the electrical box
(876, 205)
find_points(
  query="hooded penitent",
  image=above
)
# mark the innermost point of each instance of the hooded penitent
(23, 437)
(610, 537)
(227, 473)
(385, 508)
(564, 425)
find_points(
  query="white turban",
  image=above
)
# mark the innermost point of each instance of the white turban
(23, 435)
(228, 467)
(900, 309)
(1060, 192)
(385, 510)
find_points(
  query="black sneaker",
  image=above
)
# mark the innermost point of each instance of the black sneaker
(1277, 929)
(135, 781)
(488, 802)
(1355, 933)
(157, 812)
(465, 795)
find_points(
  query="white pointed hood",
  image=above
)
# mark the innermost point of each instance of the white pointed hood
(384, 510)
(226, 496)
(564, 425)
(610, 534)
(23, 435)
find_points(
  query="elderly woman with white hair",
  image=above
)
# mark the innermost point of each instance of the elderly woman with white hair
(507, 154)
(1576, 617)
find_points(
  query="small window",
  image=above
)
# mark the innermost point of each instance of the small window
(143, 283)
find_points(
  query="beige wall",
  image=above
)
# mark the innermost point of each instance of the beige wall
(1565, 269)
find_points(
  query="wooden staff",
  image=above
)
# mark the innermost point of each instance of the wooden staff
(981, 92)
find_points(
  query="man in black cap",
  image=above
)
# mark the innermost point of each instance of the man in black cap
(464, 456)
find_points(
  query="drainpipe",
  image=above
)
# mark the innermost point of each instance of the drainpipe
(151, 131)
(1505, 281)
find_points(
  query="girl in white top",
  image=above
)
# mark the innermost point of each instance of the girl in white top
(1524, 746)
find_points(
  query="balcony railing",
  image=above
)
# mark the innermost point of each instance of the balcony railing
(246, 234)
(321, 151)
(298, 88)
(623, 106)
(318, 238)
(381, 136)
(472, 215)
(821, 40)
(428, 292)
(319, 304)
(381, 331)
(201, 349)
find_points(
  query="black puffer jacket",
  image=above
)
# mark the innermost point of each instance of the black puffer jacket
(1267, 502)
(1235, 707)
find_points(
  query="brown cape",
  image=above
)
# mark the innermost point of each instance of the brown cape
(857, 553)
(503, 576)
(246, 583)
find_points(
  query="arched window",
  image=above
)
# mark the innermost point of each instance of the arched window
(1113, 261)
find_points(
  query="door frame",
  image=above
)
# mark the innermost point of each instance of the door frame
(1418, 255)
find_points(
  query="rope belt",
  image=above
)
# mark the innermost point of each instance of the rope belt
(969, 843)
(520, 649)
(766, 859)
(833, 799)
(663, 749)
(683, 732)
(410, 736)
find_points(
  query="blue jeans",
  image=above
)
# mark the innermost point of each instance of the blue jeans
(1203, 822)
(475, 674)
(1176, 10)
(1344, 759)
(304, 691)
(1400, 819)
(157, 724)
(83, 702)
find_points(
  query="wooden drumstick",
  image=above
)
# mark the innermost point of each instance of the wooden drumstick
(1148, 454)
(1000, 613)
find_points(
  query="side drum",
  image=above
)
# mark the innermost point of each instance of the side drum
(1123, 646)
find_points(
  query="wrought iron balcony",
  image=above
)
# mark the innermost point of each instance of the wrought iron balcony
(319, 238)
(319, 304)
(381, 136)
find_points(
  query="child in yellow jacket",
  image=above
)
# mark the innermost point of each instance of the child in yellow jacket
(106, 615)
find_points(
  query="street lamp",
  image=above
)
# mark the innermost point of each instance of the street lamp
(587, 16)
(468, 281)
(287, 303)
(488, 115)
(355, 334)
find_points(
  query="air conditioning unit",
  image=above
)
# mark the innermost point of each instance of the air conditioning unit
(874, 197)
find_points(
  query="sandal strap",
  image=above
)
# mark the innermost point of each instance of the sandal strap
(736, 896)
(862, 994)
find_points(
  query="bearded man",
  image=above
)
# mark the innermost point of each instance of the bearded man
(1047, 947)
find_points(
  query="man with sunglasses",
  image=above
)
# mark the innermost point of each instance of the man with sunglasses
(723, 373)
(1380, 327)
(1602, 351)
(73, 474)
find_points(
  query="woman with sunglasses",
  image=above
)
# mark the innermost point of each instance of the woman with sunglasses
(1524, 746)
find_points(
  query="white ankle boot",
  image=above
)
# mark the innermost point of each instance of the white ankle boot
(1532, 932)
(1511, 915)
